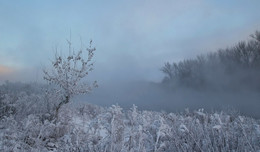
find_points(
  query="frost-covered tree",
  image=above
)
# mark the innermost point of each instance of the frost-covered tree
(231, 68)
(68, 73)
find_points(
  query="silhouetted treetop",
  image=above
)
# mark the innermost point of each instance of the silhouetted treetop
(229, 68)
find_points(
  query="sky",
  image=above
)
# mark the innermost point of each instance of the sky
(133, 38)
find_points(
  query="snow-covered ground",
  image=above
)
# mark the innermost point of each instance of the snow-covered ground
(92, 128)
(25, 125)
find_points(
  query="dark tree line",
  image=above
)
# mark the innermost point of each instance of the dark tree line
(237, 67)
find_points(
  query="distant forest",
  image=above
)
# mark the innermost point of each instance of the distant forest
(233, 68)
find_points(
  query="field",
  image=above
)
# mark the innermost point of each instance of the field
(26, 125)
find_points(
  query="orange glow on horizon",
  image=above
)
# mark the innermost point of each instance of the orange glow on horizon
(5, 70)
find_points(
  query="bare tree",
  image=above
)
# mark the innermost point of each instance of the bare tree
(68, 73)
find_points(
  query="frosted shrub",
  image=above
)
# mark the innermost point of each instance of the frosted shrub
(68, 74)
(117, 128)
(112, 129)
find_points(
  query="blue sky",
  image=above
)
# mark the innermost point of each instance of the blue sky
(133, 37)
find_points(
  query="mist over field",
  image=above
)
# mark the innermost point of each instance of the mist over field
(130, 76)
(151, 96)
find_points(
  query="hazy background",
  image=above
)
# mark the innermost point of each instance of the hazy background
(133, 40)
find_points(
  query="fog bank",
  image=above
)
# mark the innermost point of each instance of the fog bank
(152, 96)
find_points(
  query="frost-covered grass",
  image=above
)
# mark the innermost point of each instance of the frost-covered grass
(26, 125)
(92, 128)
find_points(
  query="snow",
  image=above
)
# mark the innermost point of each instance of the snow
(93, 128)
(217, 127)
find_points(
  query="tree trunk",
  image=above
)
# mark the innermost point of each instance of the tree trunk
(67, 99)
